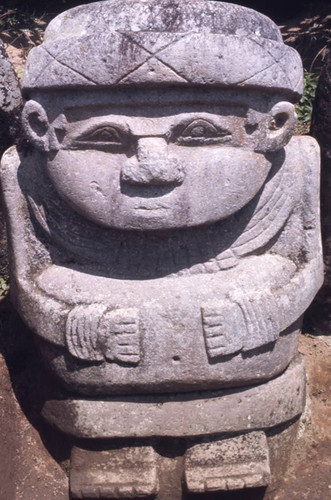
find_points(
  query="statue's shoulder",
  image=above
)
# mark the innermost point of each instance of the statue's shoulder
(304, 150)
(17, 167)
(305, 142)
(16, 171)
(10, 160)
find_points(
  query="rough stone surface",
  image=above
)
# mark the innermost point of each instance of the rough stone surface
(166, 322)
(321, 129)
(233, 463)
(117, 473)
(10, 111)
(10, 101)
(147, 42)
(191, 414)
(164, 225)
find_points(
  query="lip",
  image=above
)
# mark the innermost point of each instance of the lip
(151, 207)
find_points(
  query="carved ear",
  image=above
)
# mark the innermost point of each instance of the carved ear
(280, 126)
(36, 125)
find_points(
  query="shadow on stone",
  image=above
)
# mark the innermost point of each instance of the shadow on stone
(28, 379)
(250, 494)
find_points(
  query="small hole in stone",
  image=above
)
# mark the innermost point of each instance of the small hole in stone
(281, 119)
(38, 124)
(250, 128)
(176, 358)
(60, 133)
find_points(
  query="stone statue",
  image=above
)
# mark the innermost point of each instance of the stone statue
(10, 113)
(165, 240)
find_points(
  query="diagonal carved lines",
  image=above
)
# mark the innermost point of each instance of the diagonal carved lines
(273, 57)
(275, 205)
(69, 67)
(152, 55)
(245, 80)
(44, 66)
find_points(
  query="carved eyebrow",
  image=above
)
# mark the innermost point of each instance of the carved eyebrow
(179, 121)
(92, 127)
(210, 118)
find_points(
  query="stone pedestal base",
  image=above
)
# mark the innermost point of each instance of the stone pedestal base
(115, 473)
(184, 414)
(245, 465)
(172, 446)
(228, 464)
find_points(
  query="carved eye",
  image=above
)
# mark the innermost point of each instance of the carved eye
(201, 132)
(101, 137)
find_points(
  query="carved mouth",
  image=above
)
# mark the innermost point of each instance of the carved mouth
(145, 192)
(151, 210)
(152, 207)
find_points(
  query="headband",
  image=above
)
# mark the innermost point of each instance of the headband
(128, 43)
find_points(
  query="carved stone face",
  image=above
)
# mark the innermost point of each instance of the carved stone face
(158, 165)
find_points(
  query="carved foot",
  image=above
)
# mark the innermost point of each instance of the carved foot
(115, 473)
(228, 464)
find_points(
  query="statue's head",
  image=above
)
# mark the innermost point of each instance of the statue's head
(154, 115)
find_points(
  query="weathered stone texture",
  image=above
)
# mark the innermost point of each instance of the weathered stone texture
(233, 463)
(193, 414)
(128, 472)
(10, 101)
(130, 43)
(10, 111)
(165, 227)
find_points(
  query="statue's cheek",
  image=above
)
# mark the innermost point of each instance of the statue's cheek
(87, 180)
(224, 182)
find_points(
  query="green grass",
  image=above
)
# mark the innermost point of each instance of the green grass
(305, 107)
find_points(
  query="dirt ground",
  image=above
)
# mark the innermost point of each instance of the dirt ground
(28, 471)
(308, 476)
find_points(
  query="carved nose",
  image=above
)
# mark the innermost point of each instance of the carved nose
(152, 164)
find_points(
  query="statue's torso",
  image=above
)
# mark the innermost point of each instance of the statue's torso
(205, 327)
